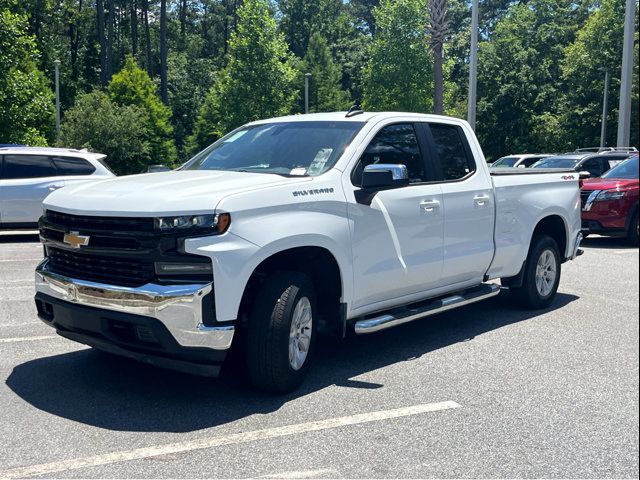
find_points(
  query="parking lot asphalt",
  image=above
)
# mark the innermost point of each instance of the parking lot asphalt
(486, 391)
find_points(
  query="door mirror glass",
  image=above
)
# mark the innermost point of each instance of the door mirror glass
(384, 176)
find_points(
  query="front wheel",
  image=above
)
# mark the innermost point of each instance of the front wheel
(542, 274)
(282, 332)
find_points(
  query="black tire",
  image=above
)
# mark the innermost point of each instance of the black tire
(270, 323)
(632, 234)
(528, 295)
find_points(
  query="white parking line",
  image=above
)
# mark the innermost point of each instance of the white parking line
(232, 439)
(22, 259)
(26, 339)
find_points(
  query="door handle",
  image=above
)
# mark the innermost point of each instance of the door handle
(54, 187)
(429, 205)
(481, 200)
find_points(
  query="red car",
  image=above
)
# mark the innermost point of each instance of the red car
(610, 202)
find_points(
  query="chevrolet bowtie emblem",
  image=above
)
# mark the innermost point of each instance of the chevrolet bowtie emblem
(76, 240)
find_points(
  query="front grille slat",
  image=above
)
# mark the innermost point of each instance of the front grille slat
(99, 268)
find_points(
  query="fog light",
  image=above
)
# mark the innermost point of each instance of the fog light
(167, 268)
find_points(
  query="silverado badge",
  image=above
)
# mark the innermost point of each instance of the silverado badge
(76, 240)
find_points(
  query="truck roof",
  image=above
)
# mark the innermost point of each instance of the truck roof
(354, 117)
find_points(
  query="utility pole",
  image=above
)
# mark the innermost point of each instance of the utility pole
(56, 63)
(306, 92)
(605, 106)
(624, 117)
(473, 65)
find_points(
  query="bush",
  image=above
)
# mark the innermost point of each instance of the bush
(100, 125)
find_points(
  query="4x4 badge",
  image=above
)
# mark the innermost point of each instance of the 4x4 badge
(76, 240)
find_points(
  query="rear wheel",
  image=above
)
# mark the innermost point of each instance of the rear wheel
(282, 332)
(542, 274)
(632, 234)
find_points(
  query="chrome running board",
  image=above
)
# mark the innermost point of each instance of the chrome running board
(398, 316)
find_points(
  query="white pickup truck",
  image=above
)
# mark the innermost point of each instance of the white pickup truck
(297, 226)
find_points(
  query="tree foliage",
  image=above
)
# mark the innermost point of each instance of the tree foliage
(26, 107)
(399, 74)
(326, 94)
(97, 123)
(132, 86)
(257, 81)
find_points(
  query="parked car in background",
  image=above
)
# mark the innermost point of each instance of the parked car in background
(29, 174)
(610, 203)
(519, 160)
(594, 163)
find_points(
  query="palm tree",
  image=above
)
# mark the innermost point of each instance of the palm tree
(438, 29)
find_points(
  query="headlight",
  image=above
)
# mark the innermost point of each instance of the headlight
(606, 195)
(218, 223)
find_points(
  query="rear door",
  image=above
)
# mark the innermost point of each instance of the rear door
(26, 181)
(468, 206)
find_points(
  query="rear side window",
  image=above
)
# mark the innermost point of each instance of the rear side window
(453, 151)
(394, 144)
(28, 166)
(530, 161)
(73, 166)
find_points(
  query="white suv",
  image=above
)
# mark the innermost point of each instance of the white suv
(29, 174)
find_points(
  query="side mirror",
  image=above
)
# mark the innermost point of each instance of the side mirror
(384, 176)
(584, 175)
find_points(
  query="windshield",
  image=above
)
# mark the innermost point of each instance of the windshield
(505, 162)
(625, 170)
(557, 162)
(283, 148)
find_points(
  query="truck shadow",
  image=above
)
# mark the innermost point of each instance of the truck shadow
(120, 394)
(606, 243)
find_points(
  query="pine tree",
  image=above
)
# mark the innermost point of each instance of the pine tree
(399, 74)
(258, 81)
(132, 86)
(325, 94)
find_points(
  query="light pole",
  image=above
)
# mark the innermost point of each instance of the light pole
(56, 63)
(306, 92)
(605, 106)
(473, 66)
(624, 117)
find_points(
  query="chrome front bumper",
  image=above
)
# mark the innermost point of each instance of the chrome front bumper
(177, 307)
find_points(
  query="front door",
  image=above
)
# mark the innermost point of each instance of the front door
(397, 238)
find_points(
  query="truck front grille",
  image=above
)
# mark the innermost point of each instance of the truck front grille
(107, 224)
(102, 269)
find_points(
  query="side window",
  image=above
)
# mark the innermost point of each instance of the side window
(395, 144)
(73, 166)
(453, 151)
(592, 166)
(530, 161)
(28, 166)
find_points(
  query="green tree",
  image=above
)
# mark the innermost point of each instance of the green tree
(598, 45)
(399, 75)
(325, 94)
(132, 86)
(97, 123)
(26, 101)
(519, 77)
(258, 81)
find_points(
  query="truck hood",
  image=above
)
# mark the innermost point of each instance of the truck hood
(608, 183)
(166, 193)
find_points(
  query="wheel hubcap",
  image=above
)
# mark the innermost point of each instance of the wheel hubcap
(546, 273)
(300, 333)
